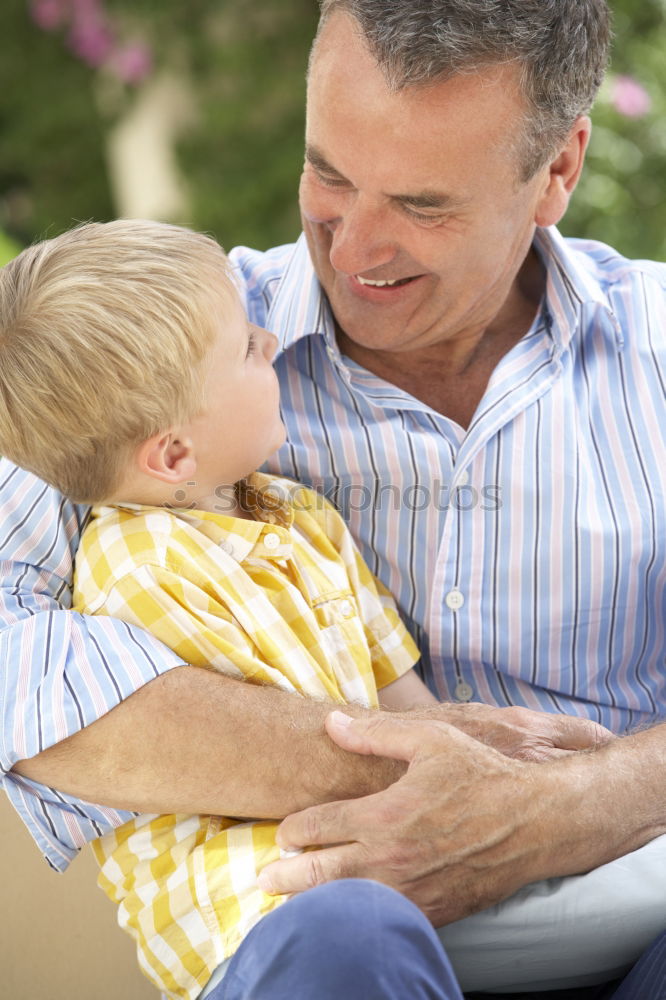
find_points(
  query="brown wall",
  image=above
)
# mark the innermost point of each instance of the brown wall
(59, 937)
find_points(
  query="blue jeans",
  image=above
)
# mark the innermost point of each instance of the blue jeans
(358, 940)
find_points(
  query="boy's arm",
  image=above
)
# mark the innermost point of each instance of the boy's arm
(406, 693)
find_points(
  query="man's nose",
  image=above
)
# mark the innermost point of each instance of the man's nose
(362, 240)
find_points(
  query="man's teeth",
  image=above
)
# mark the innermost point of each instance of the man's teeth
(379, 284)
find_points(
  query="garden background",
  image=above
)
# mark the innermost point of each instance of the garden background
(192, 111)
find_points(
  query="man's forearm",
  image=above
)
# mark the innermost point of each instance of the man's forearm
(195, 741)
(610, 802)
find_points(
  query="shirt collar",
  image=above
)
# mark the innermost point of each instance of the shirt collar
(300, 309)
(266, 537)
(571, 289)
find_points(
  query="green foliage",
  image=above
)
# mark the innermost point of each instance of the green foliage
(620, 199)
(8, 249)
(246, 61)
(52, 169)
(244, 160)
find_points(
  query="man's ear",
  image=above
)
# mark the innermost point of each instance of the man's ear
(563, 174)
(168, 457)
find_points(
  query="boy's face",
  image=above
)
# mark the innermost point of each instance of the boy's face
(240, 425)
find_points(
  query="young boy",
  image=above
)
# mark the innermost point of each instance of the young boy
(130, 378)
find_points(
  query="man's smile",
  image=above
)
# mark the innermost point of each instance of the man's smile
(379, 289)
(383, 283)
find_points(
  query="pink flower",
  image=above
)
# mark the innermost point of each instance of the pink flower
(91, 40)
(131, 63)
(48, 14)
(629, 97)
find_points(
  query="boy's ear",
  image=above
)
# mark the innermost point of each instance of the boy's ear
(168, 457)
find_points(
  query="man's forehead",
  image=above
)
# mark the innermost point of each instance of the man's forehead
(436, 131)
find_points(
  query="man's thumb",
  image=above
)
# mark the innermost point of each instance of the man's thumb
(380, 735)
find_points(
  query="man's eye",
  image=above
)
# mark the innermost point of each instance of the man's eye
(431, 220)
(251, 345)
(329, 181)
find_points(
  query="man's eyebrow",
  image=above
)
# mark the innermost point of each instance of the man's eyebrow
(319, 161)
(427, 198)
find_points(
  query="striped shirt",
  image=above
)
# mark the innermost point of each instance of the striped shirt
(283, 599)
(545, 518)
(527, 553)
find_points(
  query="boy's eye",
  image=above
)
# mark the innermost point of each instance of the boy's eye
(251, 344)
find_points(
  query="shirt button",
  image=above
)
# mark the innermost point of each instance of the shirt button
(227, 547)
(463, 478)
(454, 600)
(347, 609)
(271, 540)
(463, 692)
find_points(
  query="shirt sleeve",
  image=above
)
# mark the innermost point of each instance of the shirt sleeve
(200, 626)
(61, 671)
(392, 649)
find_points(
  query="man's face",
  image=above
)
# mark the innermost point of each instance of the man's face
(420, 187)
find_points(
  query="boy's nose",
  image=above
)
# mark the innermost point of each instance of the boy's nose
(270, 344)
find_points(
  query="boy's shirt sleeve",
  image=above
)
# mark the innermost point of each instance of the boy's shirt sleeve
(392, 648)
(187, 617)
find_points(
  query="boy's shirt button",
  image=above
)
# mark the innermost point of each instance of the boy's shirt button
(271, 540)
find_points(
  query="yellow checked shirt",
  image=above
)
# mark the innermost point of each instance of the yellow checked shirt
(284, 599)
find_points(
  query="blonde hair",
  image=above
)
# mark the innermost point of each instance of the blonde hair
(102, 334)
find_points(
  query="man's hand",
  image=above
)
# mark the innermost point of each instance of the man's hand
(464, 827)
(520, 732)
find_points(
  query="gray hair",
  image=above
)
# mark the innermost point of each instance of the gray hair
(561, 47)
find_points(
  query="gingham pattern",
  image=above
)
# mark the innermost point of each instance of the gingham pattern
(283, 600)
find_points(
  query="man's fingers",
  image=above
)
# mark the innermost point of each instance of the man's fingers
(385, 735)
(580, 734)
(312, 868)
(331, 822)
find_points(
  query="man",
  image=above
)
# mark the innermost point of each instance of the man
(511, 388)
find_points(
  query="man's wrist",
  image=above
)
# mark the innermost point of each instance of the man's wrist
(352, 776)
(602, 804)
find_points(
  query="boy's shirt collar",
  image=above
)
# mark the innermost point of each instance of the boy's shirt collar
(268, 536)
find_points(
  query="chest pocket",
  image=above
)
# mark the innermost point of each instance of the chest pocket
(346, 654)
